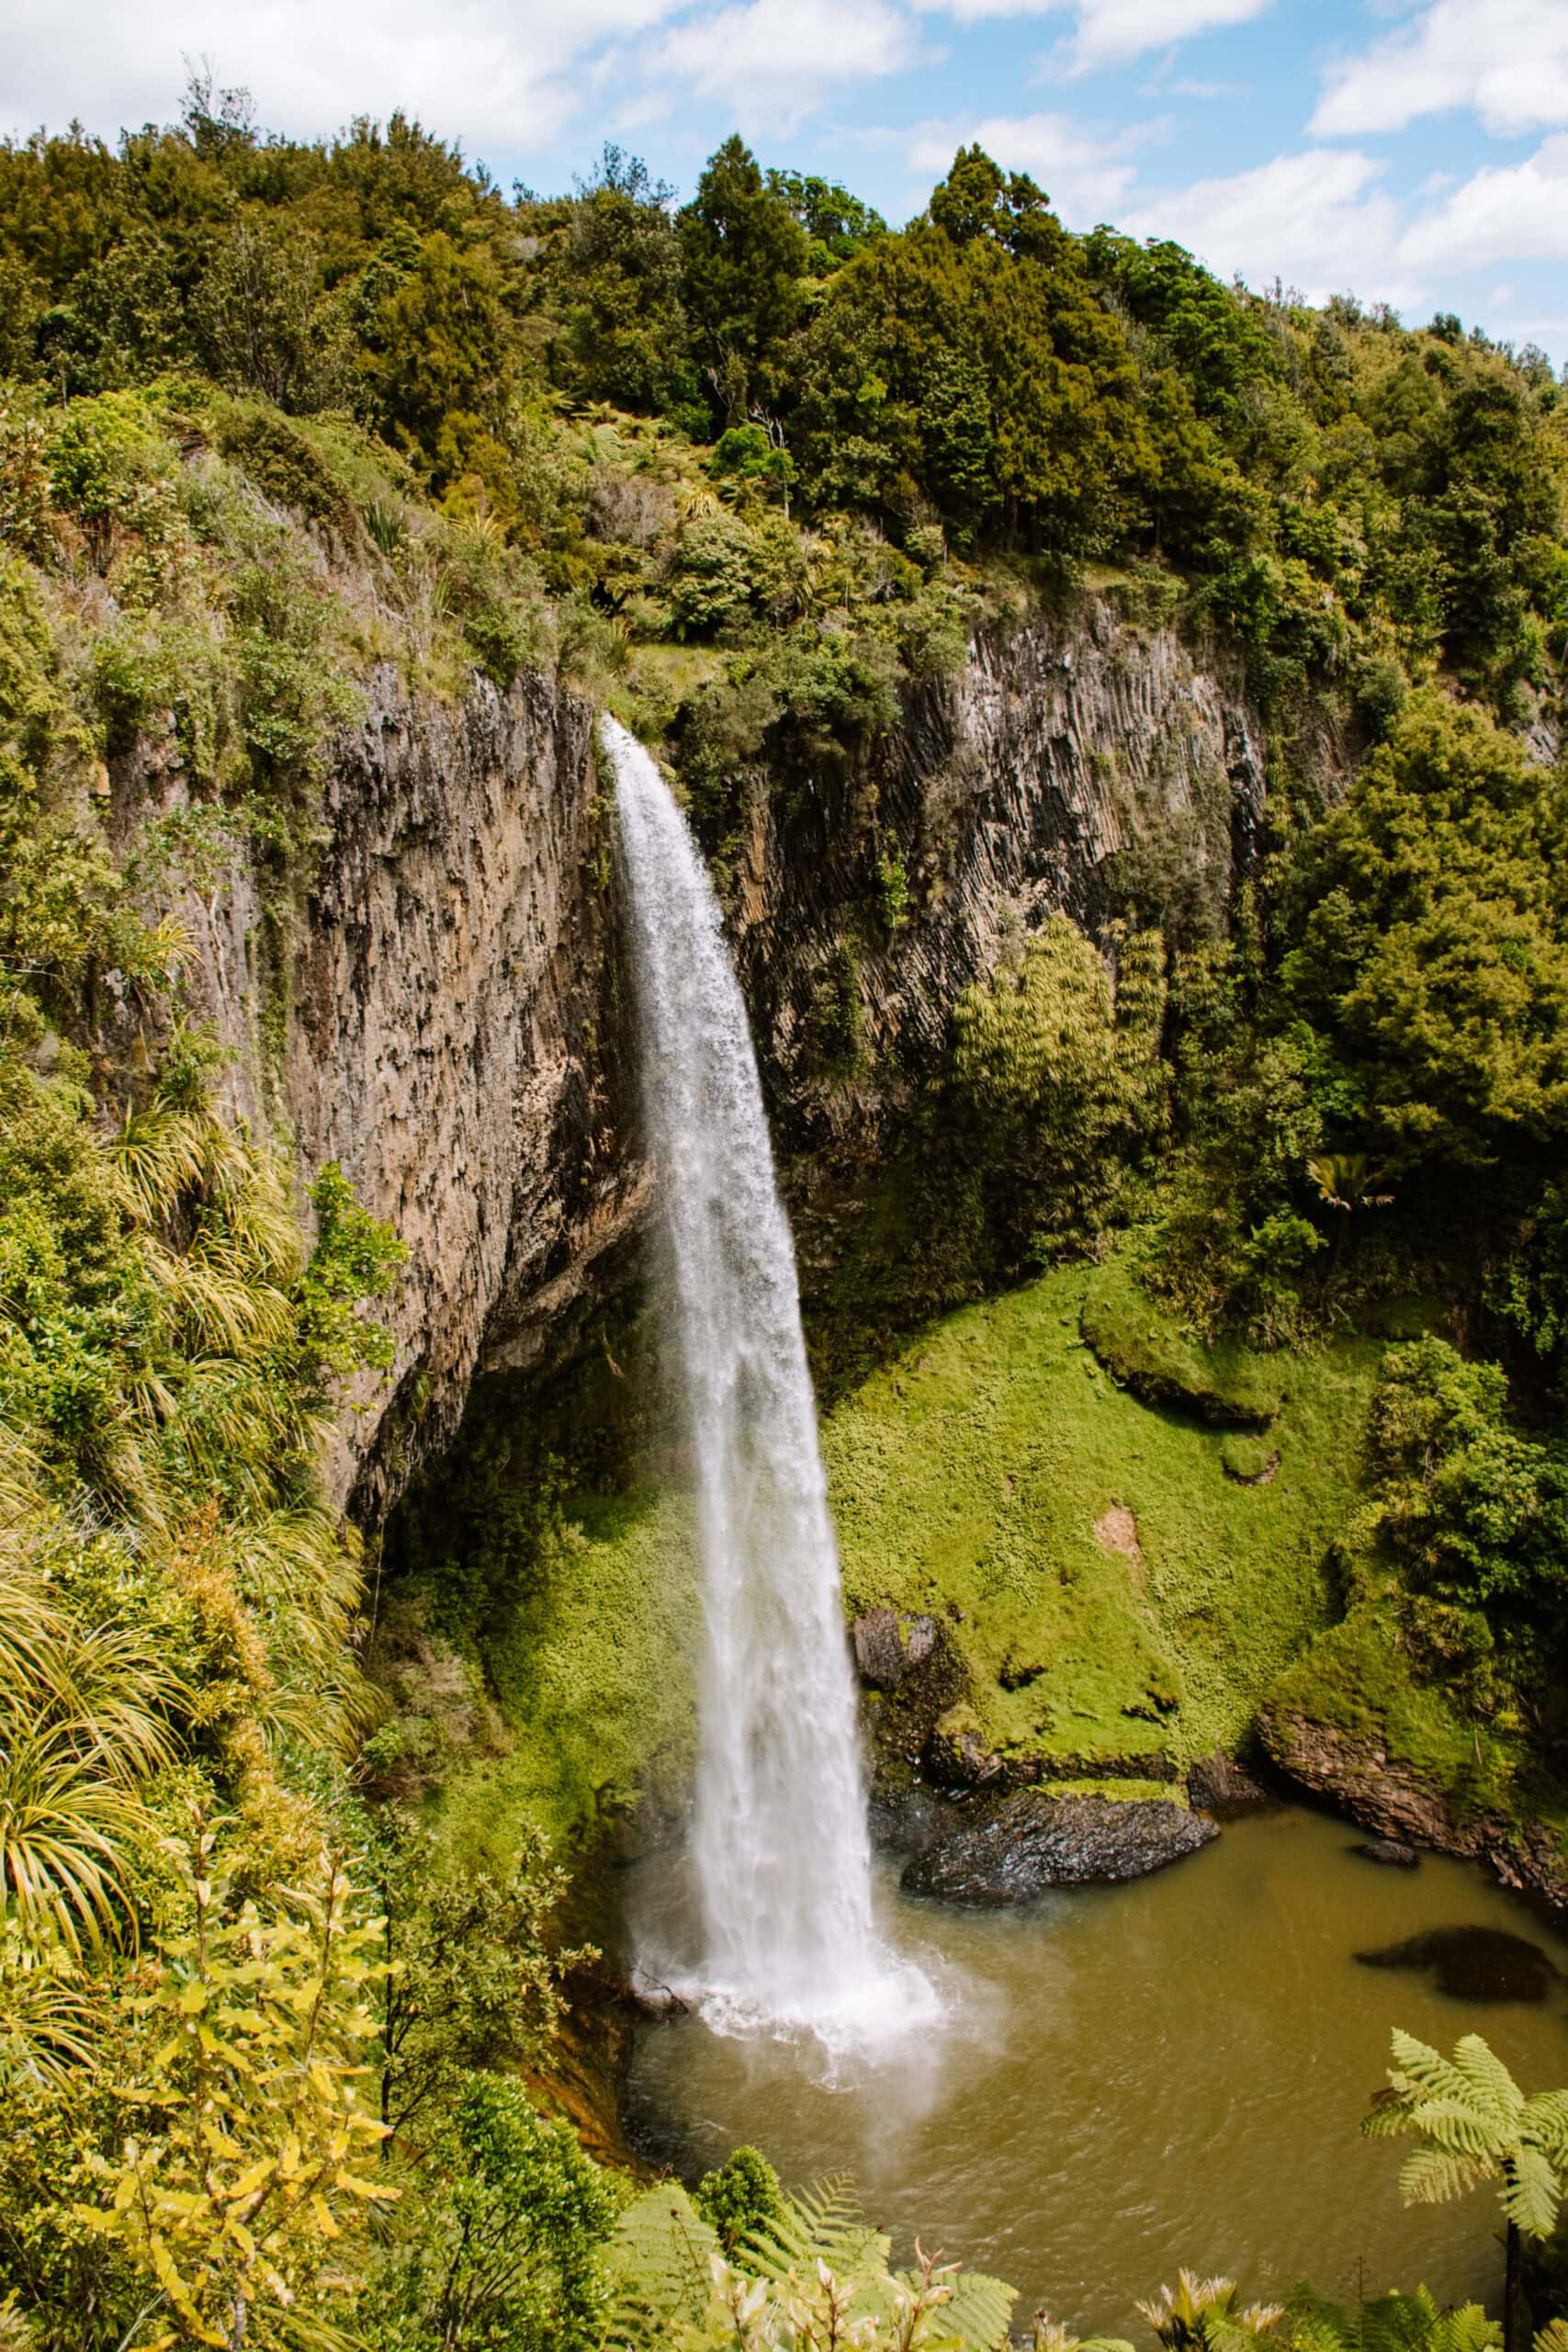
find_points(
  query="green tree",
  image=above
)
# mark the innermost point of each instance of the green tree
(744, 257)
(502, 2249)
(472, 1978)
(1471, 1507)
(1055, 1085)
(1474, 2123)
(624, 332)
(739, 2195)
(1433, 947)
(236, 2194)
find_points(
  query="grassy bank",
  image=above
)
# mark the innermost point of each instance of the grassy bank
(1120, 1576)
(1104, 1558)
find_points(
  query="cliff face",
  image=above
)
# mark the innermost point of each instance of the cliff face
(1000, 802)
(434, 1006)
(442, 1006)
(1385, 1793)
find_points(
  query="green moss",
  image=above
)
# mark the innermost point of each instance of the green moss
(1249, 1460)
(993, 1470)
(1121, 1792)
(1149, 1353)
(1357, 1679)
(585, 1698)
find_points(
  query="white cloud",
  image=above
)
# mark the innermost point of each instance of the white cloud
(1087, 178)
(1503, 212)
(500, 75)
(1110, 32)
(771, 60)
(1506, 59)
(1318, 221)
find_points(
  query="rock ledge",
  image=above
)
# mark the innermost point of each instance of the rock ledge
(1031, 1842)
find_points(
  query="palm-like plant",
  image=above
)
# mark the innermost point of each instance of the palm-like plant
(1474, 2123)
(1201, 2315)
(84, 1719)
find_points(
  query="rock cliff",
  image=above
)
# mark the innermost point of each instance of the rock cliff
(999, 801)
(438, 999)
(429, 999)
(1381, 1792)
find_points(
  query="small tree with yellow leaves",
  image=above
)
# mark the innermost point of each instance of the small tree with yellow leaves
(238, 2192)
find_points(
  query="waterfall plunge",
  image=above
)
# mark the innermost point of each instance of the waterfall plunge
(781, 1847)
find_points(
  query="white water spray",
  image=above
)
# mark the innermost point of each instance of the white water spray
(780, 1845)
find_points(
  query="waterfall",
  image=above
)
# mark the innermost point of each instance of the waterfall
(780, 1848)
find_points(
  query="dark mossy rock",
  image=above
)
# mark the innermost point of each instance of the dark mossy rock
(1390, 1851)
(1031, 1842)
(955, 1755)
(1146, 1351)
(888, 1645)
(1218, 1784)
(908, 1817)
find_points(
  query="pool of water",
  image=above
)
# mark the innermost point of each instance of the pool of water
(1134, 2077)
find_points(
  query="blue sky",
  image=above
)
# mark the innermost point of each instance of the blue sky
(1410, 153)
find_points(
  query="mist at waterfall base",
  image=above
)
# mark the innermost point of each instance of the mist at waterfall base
(779, 1853)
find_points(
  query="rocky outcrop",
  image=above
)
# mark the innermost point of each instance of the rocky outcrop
(999, 800)
(433, 1000)
(1218, 1784)
(1031, 1842)
(890, 1646)
(435, 997)
(1389, 1853)
(1383, 1792)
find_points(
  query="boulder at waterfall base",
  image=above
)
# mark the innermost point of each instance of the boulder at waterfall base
(1031, 1841)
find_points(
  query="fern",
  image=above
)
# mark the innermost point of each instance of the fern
(815, 2270)
(660, 2272)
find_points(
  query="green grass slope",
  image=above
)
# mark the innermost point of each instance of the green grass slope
(973, 1471)
(1118, 1584)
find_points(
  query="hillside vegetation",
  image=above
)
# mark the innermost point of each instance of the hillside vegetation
(280, 1937)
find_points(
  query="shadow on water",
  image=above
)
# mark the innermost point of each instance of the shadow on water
(1474, 1964)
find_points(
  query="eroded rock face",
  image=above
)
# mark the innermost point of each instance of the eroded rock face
(1218, 1784)
(438, 1010)
(1002, 797)
(1383, 1793)
(1031, 1842)
(889, 1644)
(441, 1005)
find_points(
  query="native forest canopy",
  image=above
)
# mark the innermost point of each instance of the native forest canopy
(1121, 718)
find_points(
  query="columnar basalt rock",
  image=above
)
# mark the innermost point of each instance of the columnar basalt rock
(1003, 795)
(435, 995)
(431, 998)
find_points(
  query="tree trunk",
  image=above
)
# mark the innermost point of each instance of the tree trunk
(1516, 2307)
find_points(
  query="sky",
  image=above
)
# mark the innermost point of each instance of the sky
(1413, 155)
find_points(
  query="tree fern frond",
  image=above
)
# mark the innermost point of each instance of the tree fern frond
(1434, 2175)
(1484, 2071)
(1532, 2192)
(1465, 2329)
(1459, 2126)
(659, 2263)
(1421, 2072)
(1544, 2122)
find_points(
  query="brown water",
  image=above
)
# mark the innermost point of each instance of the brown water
(1139, 2076)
